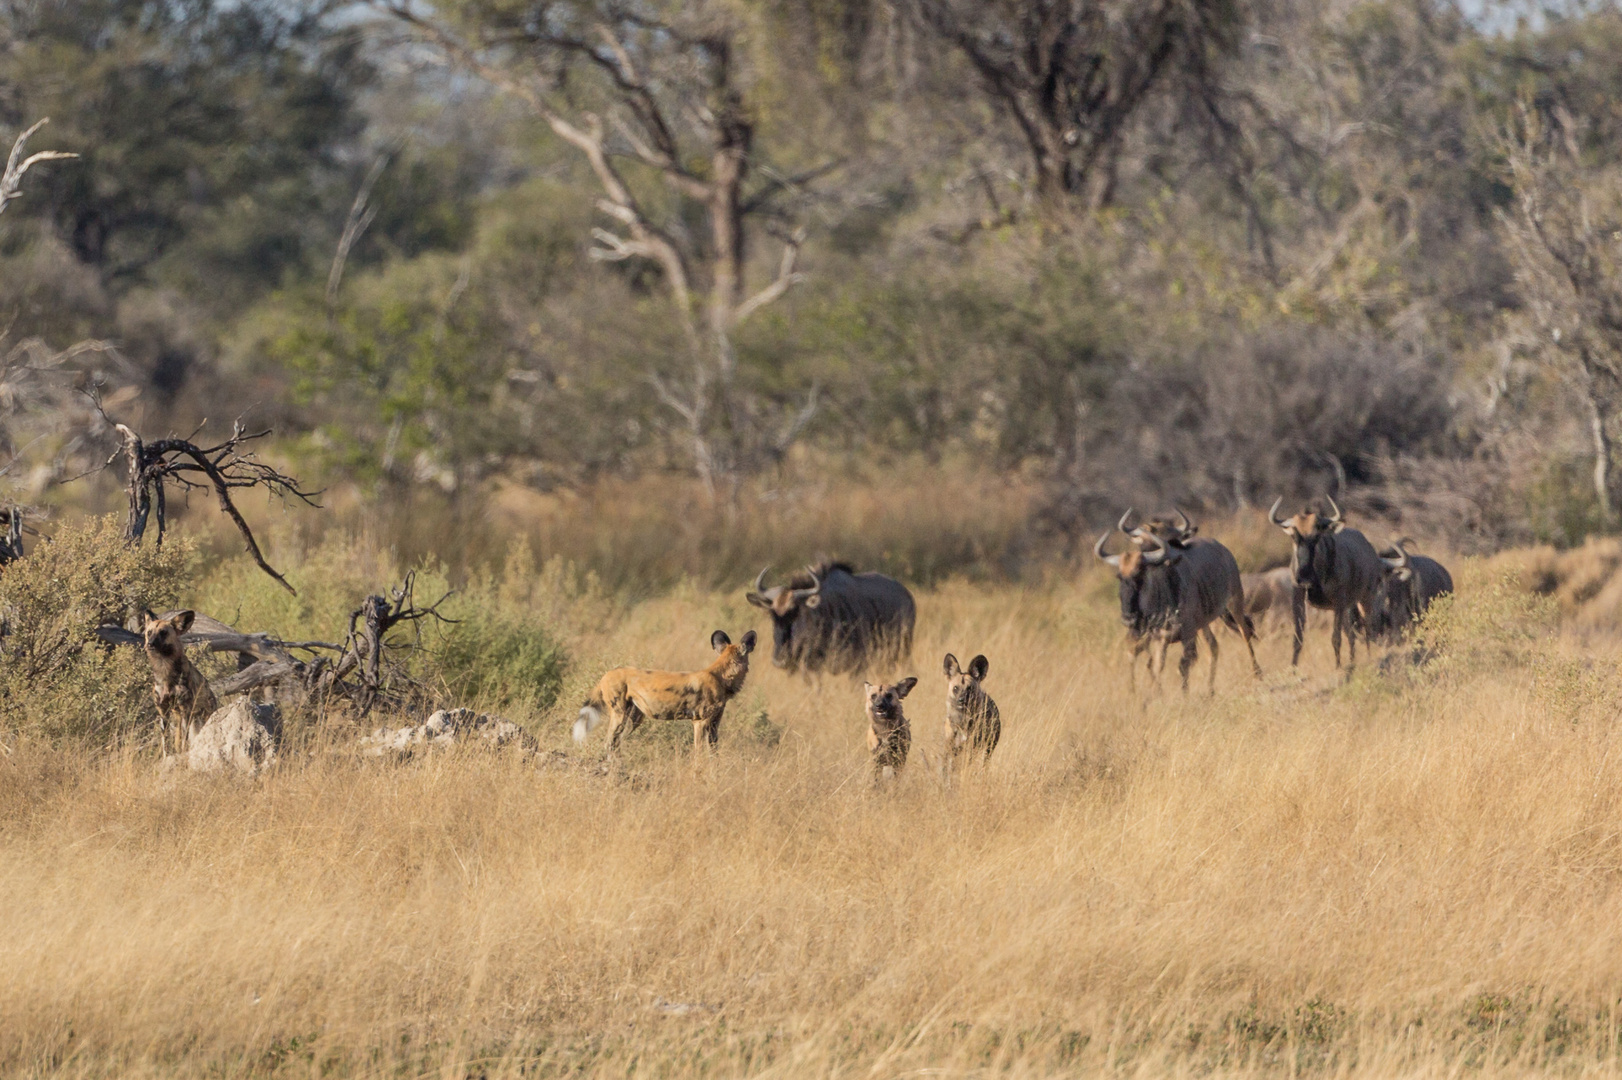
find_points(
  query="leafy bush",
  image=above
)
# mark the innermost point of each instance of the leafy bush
(56, 678)
(501, 653)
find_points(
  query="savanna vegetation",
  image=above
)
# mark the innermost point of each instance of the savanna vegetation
(551, 322)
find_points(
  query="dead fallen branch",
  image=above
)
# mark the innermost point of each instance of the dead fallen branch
(296, 672)
(151, 467)
(11, 535)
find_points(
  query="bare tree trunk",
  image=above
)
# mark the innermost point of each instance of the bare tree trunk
(1602, 455)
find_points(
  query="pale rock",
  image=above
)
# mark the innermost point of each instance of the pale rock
(240, 737)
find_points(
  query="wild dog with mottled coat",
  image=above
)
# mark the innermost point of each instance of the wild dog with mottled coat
(183, 695)
(630, 695)
(973, 721)
(889, 735)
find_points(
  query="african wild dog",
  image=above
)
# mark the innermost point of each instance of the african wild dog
(889, 736)
(631, 695)
(972, 718)
(183, 695)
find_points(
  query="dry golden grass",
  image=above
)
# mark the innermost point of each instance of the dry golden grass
(1410, 873)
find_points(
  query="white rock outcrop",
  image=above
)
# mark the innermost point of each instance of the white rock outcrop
(447, 728)
(240, 737)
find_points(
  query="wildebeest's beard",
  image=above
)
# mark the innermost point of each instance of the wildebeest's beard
(1149, 599)
(1313, 563)
(782, 634)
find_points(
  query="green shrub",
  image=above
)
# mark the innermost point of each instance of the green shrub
(57, 679)
(501, 653)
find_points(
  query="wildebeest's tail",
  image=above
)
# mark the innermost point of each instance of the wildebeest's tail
(591, 714)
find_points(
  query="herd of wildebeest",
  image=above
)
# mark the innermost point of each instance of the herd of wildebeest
(1174, 586)
(829, 619)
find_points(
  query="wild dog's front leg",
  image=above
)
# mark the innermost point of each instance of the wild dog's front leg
(707, 730)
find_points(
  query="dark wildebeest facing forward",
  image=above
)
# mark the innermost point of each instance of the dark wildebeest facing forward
(831, 619)
(1411, 583)
(1175, 594)
(1334, 568)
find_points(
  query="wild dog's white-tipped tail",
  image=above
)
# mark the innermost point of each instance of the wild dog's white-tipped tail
(589, 718)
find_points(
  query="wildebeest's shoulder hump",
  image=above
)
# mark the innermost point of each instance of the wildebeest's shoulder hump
(801, 579)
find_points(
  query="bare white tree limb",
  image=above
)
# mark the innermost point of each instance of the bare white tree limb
(360, 216)
(16, 165)
(786, 279)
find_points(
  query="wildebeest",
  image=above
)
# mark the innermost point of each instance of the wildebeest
(630, 695)
(1270, 594)
(1334, 568)
(889, 735)
(973, 721)
(1175, 534)
(1175, 594)
(831, 619)
(1411, 583)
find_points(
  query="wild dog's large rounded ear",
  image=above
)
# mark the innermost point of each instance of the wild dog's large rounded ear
(867, 689)
(148, 616)
(183, 620)
(904, 687)
(748, 642)
(719, 640)
(978, 667)
(951, 665)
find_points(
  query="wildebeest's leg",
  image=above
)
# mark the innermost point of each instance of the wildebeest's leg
(1334, 635)
(1191, 653)
(1140, 646)
(1210, 639)
(1298, 617)
(1239, 621)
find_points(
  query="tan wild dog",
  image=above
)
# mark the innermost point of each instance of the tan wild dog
(972, 718)
(630, 695)
(889, 736)
(183, 694)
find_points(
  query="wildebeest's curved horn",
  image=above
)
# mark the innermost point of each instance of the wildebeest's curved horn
(1159, 554)
(1330, 499)
(1272, 515)
(1402, 556)
(1098, 550)
(1188, 526)
(816, 585)
(1124, 518)
(760, 579)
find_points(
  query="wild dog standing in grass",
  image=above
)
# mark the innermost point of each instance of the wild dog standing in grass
(889, 736)
(632, 694)
(972, 719)
(183, 694)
